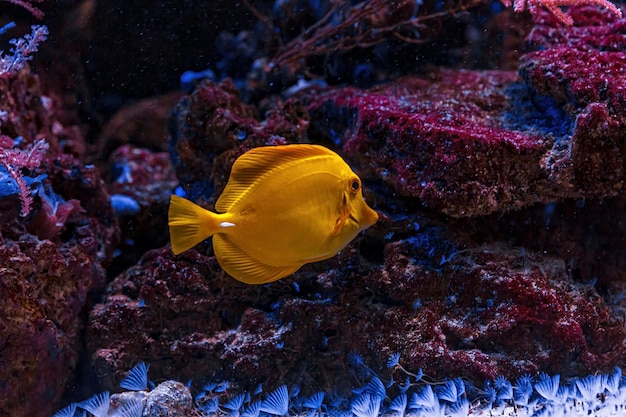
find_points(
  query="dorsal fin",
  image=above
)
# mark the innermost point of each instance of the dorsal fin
(259, 162)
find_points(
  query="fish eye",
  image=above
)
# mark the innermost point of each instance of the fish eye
(355, 185)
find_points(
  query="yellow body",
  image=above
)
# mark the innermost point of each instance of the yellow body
(283, 207)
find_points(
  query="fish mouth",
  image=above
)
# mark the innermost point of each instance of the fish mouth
(366, 219)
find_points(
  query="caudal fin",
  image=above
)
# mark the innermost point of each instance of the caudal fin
(189, 224)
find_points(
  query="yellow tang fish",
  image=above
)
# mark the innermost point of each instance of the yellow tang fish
(283, 207)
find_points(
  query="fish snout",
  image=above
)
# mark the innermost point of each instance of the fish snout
(365, 216)
(372, 216)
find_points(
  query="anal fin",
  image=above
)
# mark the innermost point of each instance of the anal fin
(238, 264)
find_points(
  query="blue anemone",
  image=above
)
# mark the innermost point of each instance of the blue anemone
(590, 386)
(375, 388)
(398, 405)
(235, 403)
(98, 405)
(137, 378)
(366, 406)
(547, 386)
(394, 360)
(133, 408)
(277, 402)
(314, 401)
(424, 398)
(448, 391)
(67, 411)
(253, 410)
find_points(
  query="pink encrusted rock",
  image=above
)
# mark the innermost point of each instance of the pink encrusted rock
(52, 259)
(444, 139)
(493, 311)
(583, 69)
(139, 175)
(472, 143)
(44, 286)
(142, 124)
(183, 309)
(147, 178)
(594, 28)
(214, 122)
(498, 311)
(132, 167)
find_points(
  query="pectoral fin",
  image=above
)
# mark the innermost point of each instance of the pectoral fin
(341, 221)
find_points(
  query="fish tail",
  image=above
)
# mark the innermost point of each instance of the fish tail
(190, 224)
